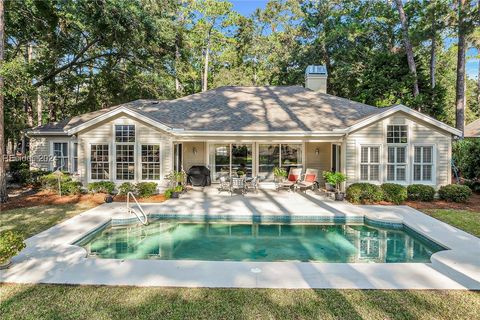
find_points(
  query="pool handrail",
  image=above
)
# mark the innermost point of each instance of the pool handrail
(143, 221)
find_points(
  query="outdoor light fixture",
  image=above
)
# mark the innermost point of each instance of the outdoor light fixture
(317, 151)
(194, 150)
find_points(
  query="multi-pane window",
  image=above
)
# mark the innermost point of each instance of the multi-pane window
(99, 162)
(125, 158)
(124, 133)
(397, 134)
(60, 152)
(397, 164)
(150, 162)
(423, 163)
(370, 163)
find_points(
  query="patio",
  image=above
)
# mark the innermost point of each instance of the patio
(50, 256)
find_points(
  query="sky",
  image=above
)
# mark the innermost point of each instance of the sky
(247, 7)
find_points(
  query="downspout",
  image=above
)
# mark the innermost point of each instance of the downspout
(343, 161)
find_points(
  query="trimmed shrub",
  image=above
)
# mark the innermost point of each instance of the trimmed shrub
(18, 165)
(473, 184)
(394, 193)
(146, 189)
(71, 187)
(101, 186)
(364, 193)
(420, 192)
(22, 176)
(11, 243)
(126, 187)
(168, 193)
(455, 193)
(50, 181)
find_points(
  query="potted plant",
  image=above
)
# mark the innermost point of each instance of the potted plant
(177, 191)
(337, 178)
(279, 173)
(240, 173)
(329, 180)
(11, 243)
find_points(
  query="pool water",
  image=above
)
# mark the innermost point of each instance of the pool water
(174, 240)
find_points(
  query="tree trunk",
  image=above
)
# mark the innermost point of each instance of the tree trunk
(408, 46)
(460, 85)
(39, 107)
(478, 81)
(433, 53)
(205, 68)
(207, 56)
(3, 181)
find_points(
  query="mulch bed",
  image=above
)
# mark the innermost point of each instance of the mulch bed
(30, 198)
(473, 204)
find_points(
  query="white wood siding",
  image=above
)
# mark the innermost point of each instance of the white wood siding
(419, 133)
(103, 133)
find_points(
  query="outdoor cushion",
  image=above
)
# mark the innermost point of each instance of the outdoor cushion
(292, 177)
(310, 177)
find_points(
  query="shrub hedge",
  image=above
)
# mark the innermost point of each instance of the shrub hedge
(364, 193)
(71, 187)
(126, 187)
(394, 193)
(420, 192)
(455, 193)
(101, 186)
(146, 189)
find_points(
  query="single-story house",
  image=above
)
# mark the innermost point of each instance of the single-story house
(472, 130)
(255, 128)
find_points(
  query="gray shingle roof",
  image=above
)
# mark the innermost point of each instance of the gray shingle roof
(473, 129)
(288, 108)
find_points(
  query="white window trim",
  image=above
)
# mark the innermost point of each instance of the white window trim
(69, 155)
(407, 163)
(380, 164)
(122, 122)
(432, 182)
(89, 166)
(140, 177)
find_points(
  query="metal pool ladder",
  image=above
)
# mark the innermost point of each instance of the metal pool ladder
(143, 218)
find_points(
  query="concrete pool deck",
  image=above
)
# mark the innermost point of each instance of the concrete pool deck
(50, 256)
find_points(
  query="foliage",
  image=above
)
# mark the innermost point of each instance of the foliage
(455, 193)
(50, 181)
(334, 178)
(146, 189)
(364, 193)
(394, 193)
(127, 187)
(420, 192)
(280, 172)
(466, 156)
(473, 184)
(101, 186)
(178, 189)
(18, 165)
(11, 243)
(168, 193)
(176, 177)
(71, 187)
(240, 173)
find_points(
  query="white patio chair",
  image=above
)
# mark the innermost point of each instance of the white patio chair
(224, 184)
(237, 184)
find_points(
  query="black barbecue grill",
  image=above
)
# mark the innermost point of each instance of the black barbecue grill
(199, 176)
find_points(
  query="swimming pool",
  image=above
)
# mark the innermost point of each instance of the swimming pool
(240, 241)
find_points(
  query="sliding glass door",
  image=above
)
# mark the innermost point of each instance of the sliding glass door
(285, 155)
(227, 159)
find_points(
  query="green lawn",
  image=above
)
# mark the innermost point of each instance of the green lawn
(30, 221)
(93, 302)
(100, 302)
(468, 221)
